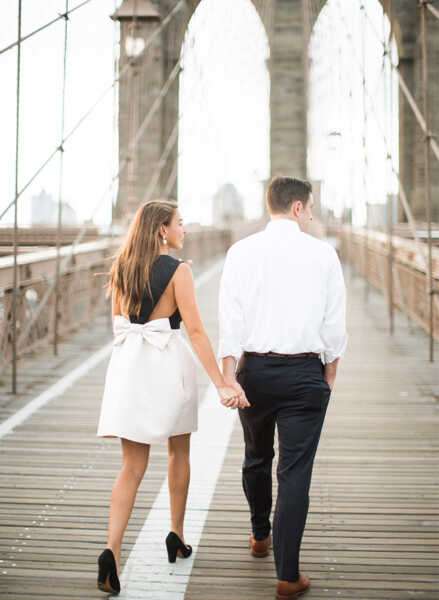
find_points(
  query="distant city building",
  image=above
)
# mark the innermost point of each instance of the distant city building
(44, 211)
(228, 206)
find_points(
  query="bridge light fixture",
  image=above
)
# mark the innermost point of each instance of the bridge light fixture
(134, 46)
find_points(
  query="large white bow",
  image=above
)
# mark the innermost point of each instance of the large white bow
(156, 332)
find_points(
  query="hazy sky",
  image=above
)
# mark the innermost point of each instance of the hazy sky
(224, 106)
(339, 112)
(88, 157)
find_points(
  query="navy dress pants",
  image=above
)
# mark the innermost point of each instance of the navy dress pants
(289, 393)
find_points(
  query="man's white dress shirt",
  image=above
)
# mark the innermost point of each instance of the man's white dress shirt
(282, 290)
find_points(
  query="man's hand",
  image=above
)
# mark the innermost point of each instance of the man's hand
(330, 381)
(331, 372)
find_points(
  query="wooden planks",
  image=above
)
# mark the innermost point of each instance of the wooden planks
(373, 525)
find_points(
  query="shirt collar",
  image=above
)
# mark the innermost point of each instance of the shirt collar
(283, 224)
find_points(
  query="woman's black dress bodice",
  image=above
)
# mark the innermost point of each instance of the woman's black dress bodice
(162, 271)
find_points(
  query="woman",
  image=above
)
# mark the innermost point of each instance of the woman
(150, 390)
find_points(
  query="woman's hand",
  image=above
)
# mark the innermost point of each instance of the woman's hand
(232, 398)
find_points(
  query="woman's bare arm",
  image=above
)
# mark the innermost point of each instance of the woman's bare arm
(187, 305)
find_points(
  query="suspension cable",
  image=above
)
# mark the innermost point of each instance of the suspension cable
(89, 111)
(14, 341)
(132, 144)
(60, 16)
(434, 11)
(402, 194)
(60, 189)
(408, 95)
(130, 148)
(172, 139)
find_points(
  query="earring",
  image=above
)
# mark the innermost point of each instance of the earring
(165, 241)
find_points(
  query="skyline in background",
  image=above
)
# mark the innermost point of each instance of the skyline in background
(224, 108)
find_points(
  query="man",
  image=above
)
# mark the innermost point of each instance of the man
(282, 315)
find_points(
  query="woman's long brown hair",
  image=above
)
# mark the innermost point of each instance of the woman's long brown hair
(131, 268)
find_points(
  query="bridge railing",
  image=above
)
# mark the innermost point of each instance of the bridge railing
(82, 286)
(398, 271)
(81, 294)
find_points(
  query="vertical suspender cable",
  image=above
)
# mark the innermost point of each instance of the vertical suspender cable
(388, 104)
(15, 278)
(427, 191)
(132, 108)
(60, 191)
(365, 165)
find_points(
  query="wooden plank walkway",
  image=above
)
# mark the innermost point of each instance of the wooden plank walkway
(373, 524)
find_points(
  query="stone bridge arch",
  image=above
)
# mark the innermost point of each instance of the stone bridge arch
(288, 25)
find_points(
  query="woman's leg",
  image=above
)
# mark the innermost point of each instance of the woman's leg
(178, 477)
(134, 463)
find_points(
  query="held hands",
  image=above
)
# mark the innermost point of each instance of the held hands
(232, 395)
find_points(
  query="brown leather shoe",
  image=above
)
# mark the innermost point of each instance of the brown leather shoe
(288, 590)
(260, 548)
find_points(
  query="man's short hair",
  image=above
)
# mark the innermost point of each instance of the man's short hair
(283, 191)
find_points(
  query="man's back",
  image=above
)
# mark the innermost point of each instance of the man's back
(283, 291)
(282, 312)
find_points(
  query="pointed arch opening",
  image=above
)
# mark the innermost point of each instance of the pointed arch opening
(224, 114)
(353, 122)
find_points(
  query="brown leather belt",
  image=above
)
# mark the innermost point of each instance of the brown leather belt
(300, 355)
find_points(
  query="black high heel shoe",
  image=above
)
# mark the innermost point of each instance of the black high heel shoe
(108, 581)
(175, 546)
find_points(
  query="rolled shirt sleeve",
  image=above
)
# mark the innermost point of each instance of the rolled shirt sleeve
(333, 330)
(230, 312)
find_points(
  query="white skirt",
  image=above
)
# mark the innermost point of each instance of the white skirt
(151, 390)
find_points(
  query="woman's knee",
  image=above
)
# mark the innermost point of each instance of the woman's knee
(179, 447)
(134, 471)
(135, 460)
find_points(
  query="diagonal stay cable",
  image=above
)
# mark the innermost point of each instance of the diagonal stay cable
(80, 121)
(131, 147)
(407, 94)
(155, 106)
(402, 194)
(434, 11)
(172, 139)
(64, 15)
(124, 162)
(372, 105)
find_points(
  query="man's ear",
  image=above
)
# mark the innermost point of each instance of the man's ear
(296, 208)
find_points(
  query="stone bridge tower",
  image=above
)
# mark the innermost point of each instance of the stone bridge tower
(288, 24)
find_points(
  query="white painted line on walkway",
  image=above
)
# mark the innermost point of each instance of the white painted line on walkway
(54, 391)
(68, 380)
(147, 575)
